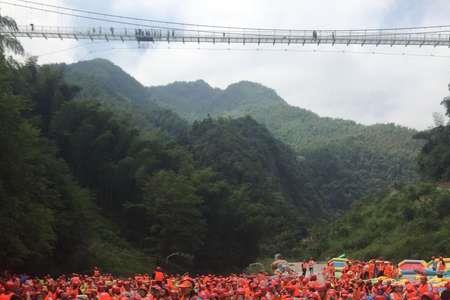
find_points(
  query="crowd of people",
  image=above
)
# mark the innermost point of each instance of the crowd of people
(353, 283)
(366, 270)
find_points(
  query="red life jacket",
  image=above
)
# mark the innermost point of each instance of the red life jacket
(51, 296)
(441, 267)
(380, 297)
(6, 296)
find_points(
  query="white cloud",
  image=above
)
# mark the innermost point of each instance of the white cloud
(363, 87)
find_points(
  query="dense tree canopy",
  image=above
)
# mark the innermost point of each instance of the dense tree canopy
(434, 159)
(362, 159)
(49, 222)
(101, 186)
(411, 221)
(9, 42)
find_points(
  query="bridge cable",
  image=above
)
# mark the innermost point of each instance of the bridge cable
(196, 25)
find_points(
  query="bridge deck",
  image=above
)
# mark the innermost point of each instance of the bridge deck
(392, 37)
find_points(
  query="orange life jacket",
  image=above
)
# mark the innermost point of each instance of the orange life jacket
(159, 276)
(51, 296)
(371, 269)
(104, 296)
(388, 271)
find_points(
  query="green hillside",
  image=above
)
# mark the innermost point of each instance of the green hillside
(411, 220)
(101, 79)
(351, 160)
(105, 82)
(239, 148)
(300, 128)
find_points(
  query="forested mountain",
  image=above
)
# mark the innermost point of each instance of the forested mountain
(300, 128)
(49, 222)
(267, 182)
(411, 220)
(101, 79)
(82, 182)
(105, 82)
(351, 160)
(239, 148)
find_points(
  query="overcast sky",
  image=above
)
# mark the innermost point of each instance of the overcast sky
(367, 88)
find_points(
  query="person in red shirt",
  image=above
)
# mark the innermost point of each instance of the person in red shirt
(331, 294)
(381, 295)
(441, 267)
(358, 290)
(397, 293)
(380, 268)
(329, 271)
(96, 272)
(8, 291)
(388, 270)
(410, 291)
(371, 269)
(158, 276)
(52, 293)
(424, 286)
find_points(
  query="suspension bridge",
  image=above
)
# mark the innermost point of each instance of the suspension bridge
(108, 27)
(390, 37)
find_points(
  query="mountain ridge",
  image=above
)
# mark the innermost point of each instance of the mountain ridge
(233, 85)
(365, 159)
(202, 82)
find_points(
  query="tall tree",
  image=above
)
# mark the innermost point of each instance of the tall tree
(8, 41)
(174, 209)
(434, 158)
